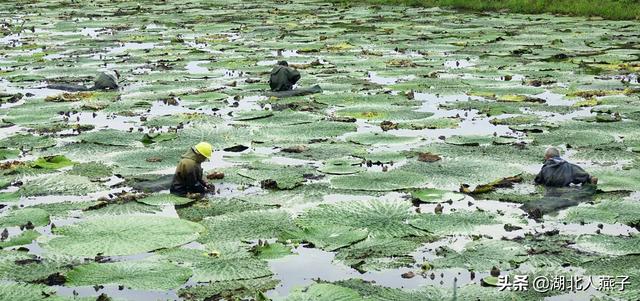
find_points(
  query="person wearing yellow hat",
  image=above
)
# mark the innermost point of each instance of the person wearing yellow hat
(189, 175)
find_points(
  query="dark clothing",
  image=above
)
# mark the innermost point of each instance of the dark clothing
(283, 78)
(188, 176)
(103, 82)
(295, 92)
(556, 172)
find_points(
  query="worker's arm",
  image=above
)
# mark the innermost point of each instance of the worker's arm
(580, 176)
(294, 76)
(539, 178)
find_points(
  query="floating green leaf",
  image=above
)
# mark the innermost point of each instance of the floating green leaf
(136, 275)
(122, 235)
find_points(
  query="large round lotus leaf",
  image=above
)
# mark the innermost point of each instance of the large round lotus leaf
(328, 237)
(482, 255)
(618, 180)
(478, 140)
(607, 211)
(450, 174)
(380, 113)
(164, 199)
(135, 274)
(92, 170)
(19, 217)
(375, 254)
(237, 226)
(218, 264)
(380, 218)
(373, 291)
(287, 117)
(379, 139)
(324, 291)
(61, 184)
(234, 289)
(574, 138)
(430, 195)
(214, 207)
(379, 181)
(342, 166)
(609, 245)
(23, 238)
(23, 141)
(286, 177)
(122, 235)
(21, 266)
(28, 292)
(459, 222)
(111, 137)
(304, 132)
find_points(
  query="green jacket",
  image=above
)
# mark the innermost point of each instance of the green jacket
(188, 176)
(283, 78)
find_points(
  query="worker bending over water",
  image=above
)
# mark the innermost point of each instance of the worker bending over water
(189, 175)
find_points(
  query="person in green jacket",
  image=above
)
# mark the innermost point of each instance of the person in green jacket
(188, 178)
(283, 77)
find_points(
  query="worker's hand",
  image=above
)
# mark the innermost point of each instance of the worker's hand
(594, 180)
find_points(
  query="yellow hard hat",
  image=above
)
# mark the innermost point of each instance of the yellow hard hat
(204, 149)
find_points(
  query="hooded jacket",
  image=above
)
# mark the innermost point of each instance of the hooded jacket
(556, 172)
(188, 176)
(283, 78)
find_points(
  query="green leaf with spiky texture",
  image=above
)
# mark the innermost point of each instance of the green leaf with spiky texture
(327, 237)
(459, 222)
(382, 112)
(478, 140)
(122, 235)
(236, 226)
(92, 170)
(379, 139)
(111, 137)
(607, 211)
(135, 274)
(214, 207)
(371, 291)
(121, 208)
(217, 265)
(286, 177)
(23, 238)
(60, 184)
(28, 292)
(324, 291)
(19, 217)
(380, 218)
(25, 141)
(375, 254)
(431, 195)
(229, 290)
(482, 255)
(609, 245)
(618, 180)
(22, 266)
(164, 199)
(379, 181)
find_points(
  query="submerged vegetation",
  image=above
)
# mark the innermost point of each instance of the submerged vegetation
(608, 9)
(409, 178)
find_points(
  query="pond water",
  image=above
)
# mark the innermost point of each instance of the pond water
(400, 86)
